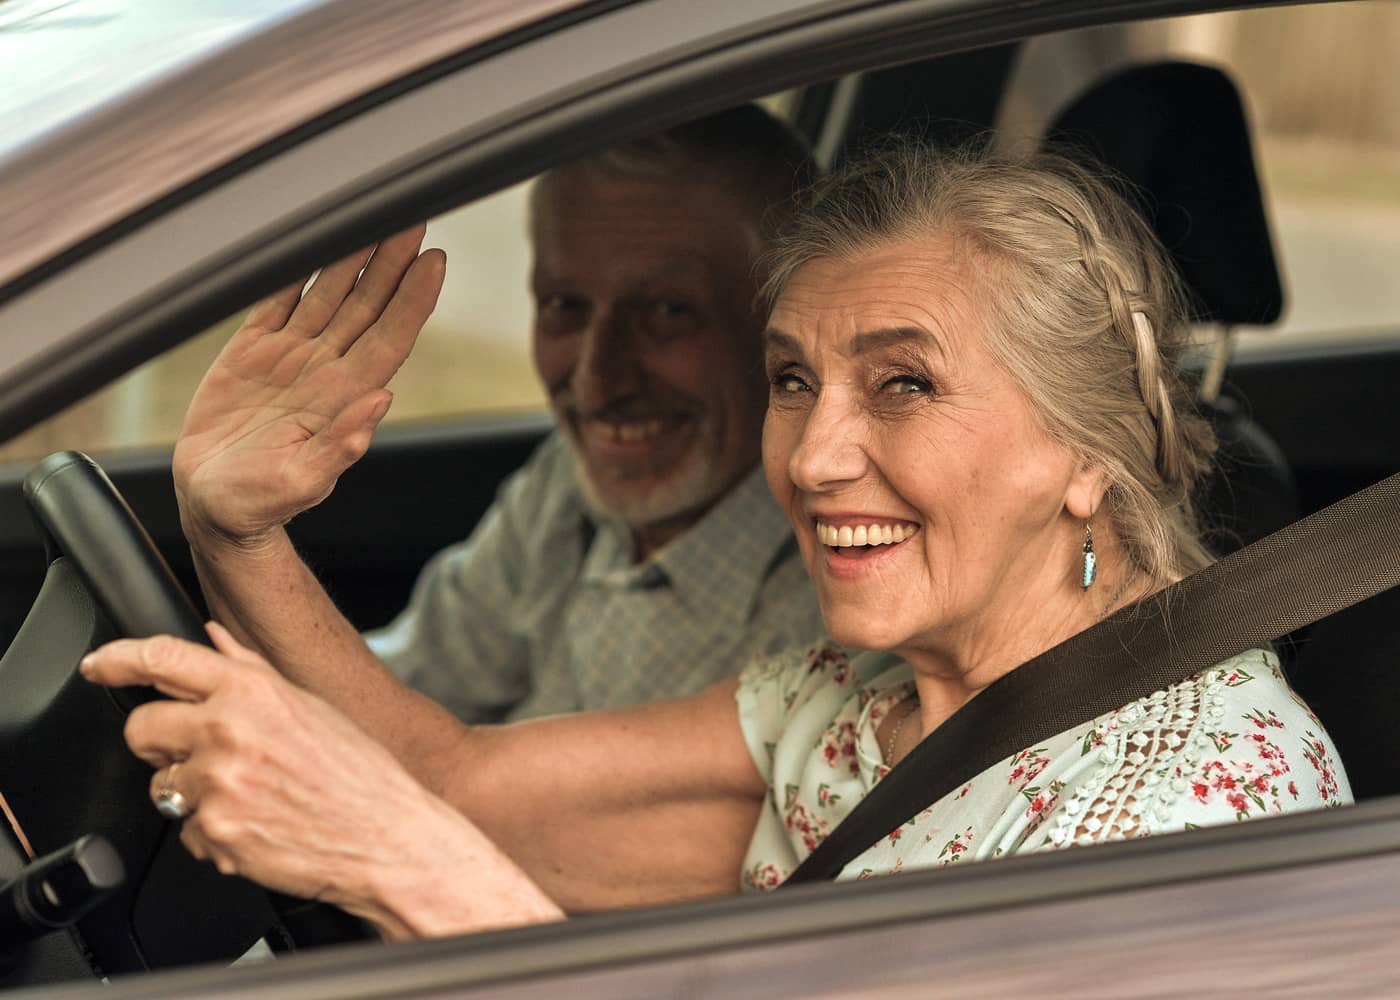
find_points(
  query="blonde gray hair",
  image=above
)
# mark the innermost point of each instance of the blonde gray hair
(1084, 311)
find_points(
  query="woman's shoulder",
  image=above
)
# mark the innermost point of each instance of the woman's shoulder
(1249, 687)
(792, 697)
(1247, 692)
(1233, 742)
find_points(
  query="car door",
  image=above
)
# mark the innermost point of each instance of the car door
(844, 927)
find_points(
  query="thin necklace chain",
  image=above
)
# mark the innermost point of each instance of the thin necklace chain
(893, 741)
(1118, 595)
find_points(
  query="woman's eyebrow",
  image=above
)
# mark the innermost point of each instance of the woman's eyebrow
(874, 340)
(775, 341)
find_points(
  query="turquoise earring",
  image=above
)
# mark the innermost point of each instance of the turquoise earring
(1090, 562)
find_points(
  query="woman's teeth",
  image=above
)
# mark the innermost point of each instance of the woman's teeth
(865, 534)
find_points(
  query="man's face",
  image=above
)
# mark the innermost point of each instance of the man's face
(647, 338)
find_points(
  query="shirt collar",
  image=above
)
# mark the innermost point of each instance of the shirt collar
(716, 566)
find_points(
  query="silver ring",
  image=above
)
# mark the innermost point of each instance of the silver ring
(170, 802)
(172, 805)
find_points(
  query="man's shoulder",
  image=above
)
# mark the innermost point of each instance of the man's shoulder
(536, 510)
(550, 462)
(546, 486)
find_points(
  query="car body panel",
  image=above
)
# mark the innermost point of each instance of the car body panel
(1138, 918)
(276, 73)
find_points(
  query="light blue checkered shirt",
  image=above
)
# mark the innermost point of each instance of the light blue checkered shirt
(542, 610)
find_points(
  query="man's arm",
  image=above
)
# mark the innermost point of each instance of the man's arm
(469, 637)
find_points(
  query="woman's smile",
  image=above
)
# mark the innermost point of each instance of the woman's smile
(863, 533)
(855, 545)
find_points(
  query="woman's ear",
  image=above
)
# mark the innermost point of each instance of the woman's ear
(1086, 491)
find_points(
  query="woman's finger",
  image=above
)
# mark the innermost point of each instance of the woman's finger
(193, 837)
(273, 312)
(164, 732)
(326, 294)
(380, 352)
(376, 286)
(175, 667)
(225, 643)
(175, 778)
(343, 442)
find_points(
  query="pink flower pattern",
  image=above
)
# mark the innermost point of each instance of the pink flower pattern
(955, 848)
(1219, 747)
(763, 876)
(1315, 753)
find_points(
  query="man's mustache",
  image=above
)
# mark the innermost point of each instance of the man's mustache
(632, 409)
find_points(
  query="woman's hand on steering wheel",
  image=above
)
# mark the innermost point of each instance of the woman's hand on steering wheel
(277, 786)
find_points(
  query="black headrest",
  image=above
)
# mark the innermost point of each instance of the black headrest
(1177, 131)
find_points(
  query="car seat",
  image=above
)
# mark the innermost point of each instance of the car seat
(1177, 133)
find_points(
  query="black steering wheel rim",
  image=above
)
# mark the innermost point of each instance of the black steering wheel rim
(85, 518)
(89, 530)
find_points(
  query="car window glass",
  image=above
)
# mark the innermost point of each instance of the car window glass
(471, 358)
(1322, 104)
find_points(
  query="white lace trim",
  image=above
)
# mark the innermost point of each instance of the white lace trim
(1149, 748)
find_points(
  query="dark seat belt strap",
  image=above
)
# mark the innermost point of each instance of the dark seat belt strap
(1317, 566)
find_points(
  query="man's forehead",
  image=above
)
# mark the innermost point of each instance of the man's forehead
(684, 265)
(583, 193)
(648, 228)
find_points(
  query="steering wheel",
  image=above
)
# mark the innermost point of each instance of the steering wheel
(63, 765)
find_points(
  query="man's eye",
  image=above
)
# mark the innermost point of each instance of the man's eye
(664, 319)
(556, 302)
(670, 313)
(560, 314)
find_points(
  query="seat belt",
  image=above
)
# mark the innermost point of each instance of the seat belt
(1317, 566)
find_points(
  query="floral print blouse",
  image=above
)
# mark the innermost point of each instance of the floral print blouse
(1231, 743)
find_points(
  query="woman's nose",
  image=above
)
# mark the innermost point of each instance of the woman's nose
(830, 450)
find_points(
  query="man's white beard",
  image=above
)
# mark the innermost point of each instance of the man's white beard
(693, 486)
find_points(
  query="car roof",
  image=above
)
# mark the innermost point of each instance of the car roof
(121, 104)
(73, 58)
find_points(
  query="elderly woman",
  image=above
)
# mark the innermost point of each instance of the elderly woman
(979, 432)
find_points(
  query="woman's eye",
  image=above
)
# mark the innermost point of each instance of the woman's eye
(904, 385)
(788, 382)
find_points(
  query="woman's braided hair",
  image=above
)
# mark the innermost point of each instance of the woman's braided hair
(1083, 308)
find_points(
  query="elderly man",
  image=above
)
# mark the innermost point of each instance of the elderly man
(638, 554)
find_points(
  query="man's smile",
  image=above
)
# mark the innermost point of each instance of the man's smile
(624, 431)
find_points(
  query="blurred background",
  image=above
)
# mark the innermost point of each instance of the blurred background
(1326, 113)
